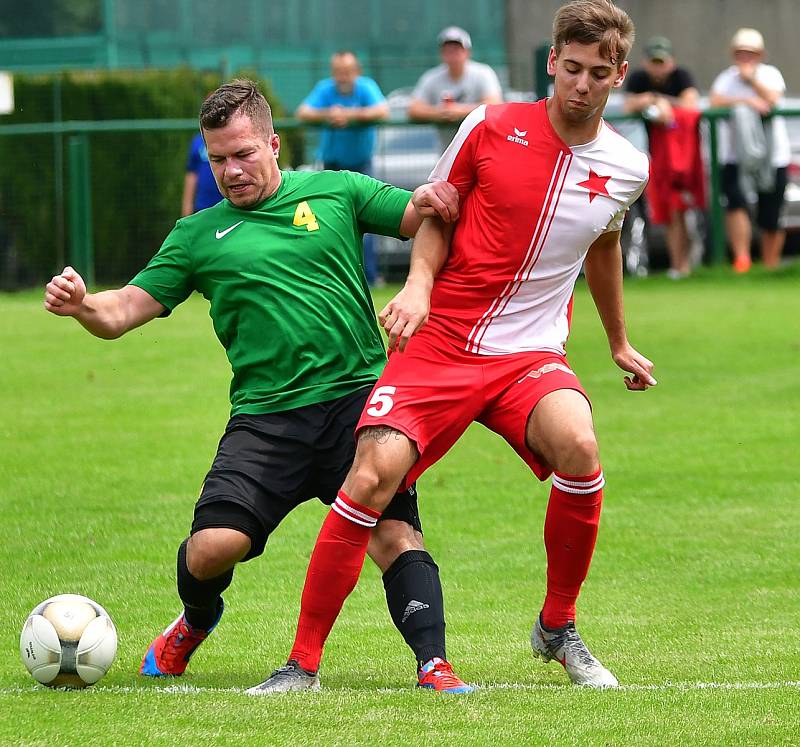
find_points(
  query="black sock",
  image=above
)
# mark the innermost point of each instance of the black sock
(414, 598)
(201, 599)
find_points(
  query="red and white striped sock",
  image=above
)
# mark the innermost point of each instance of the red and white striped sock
(332, 574)
(570, 533)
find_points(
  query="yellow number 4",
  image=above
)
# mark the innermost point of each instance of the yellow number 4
(304, 216)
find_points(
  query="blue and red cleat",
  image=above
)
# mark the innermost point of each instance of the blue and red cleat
(437, 674)
(169, 654)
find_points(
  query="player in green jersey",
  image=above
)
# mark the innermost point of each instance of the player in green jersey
(280, 261)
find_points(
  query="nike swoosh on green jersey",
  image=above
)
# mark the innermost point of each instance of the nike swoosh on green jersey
(220, 234)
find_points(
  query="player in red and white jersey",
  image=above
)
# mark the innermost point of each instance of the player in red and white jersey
(531, 208)
(544, 188)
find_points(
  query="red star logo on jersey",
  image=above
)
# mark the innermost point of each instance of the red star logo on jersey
(596, 185)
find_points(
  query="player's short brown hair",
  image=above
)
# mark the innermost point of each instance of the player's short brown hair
(595, 21)
(240, 96)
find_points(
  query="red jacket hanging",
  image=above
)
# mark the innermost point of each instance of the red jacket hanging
(677, 181)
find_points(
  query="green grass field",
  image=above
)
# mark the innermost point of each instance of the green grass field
(693, 599)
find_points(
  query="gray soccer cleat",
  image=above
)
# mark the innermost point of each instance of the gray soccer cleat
(288, 678)
(565, 646)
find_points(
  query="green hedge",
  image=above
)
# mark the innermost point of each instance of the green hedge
(137, 178)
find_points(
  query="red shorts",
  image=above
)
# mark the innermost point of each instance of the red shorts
(432, 396)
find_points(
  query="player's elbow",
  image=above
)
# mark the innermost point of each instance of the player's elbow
(111, 328)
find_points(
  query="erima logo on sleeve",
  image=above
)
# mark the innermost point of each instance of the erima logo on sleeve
(517, 137)
(221, 234)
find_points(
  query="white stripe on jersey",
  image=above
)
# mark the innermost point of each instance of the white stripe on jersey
(534, 250)
(354, 515)
(579, 487)
(445, 164)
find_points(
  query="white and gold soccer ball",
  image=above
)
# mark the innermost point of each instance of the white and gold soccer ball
(68, 641)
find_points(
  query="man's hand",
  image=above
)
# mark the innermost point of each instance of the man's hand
(630, 360)
(450, 114)
(761, 106)
(405, 315)
(747, 72)
(337, 116)
(437, 198)
(64, 294)
(665, 114)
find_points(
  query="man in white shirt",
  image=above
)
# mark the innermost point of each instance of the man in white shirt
(753, 83)
(450, 91)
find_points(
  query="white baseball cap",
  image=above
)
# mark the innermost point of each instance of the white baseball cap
(748, 39)
(455, 34)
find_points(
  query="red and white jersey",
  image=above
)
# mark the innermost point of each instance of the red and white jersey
(531, 206)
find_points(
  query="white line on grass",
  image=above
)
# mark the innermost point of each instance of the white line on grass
(666, 686)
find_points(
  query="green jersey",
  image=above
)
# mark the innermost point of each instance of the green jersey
(285, 280)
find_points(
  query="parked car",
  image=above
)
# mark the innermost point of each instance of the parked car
(405, 155)
(791, 213)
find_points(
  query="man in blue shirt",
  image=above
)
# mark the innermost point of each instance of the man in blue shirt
(199, 188)
(347, 103)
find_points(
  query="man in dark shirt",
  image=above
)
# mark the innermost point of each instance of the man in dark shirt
(656, 91)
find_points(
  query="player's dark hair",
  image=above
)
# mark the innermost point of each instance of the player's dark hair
(595, 21)
(240, 96)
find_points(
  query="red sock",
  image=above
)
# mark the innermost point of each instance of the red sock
(332, 574)
(570, 532)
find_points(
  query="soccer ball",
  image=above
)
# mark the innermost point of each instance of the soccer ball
(68, 641)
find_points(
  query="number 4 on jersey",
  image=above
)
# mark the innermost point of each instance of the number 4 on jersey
(304, 216)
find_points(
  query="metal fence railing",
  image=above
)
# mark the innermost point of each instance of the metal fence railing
(62, 217)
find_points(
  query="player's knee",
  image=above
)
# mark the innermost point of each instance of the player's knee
(390, 539)
(370, 485)
(211, 552)
(581, 455)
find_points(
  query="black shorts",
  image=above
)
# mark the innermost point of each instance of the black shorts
(267, 465)
(768, 212)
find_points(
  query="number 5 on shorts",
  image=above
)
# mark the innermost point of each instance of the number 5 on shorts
(381, 401)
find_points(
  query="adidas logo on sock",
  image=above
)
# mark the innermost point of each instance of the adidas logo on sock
(413, 606)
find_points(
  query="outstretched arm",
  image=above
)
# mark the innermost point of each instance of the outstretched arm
(408, 311)
(108, 314)
(603, 270)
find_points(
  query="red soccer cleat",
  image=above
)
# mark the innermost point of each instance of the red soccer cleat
(438, 675)
(169, 654)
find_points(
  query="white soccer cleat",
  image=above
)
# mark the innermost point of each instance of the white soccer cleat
(286, 679)
(565, 646)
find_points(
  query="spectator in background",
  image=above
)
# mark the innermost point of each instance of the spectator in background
(341, 102)
(752, 89)
(666, 96)
(199, 188)
(450, 91)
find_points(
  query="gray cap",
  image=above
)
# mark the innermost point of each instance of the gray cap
(454, 34)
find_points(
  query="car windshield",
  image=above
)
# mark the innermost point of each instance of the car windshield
(408, 138)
